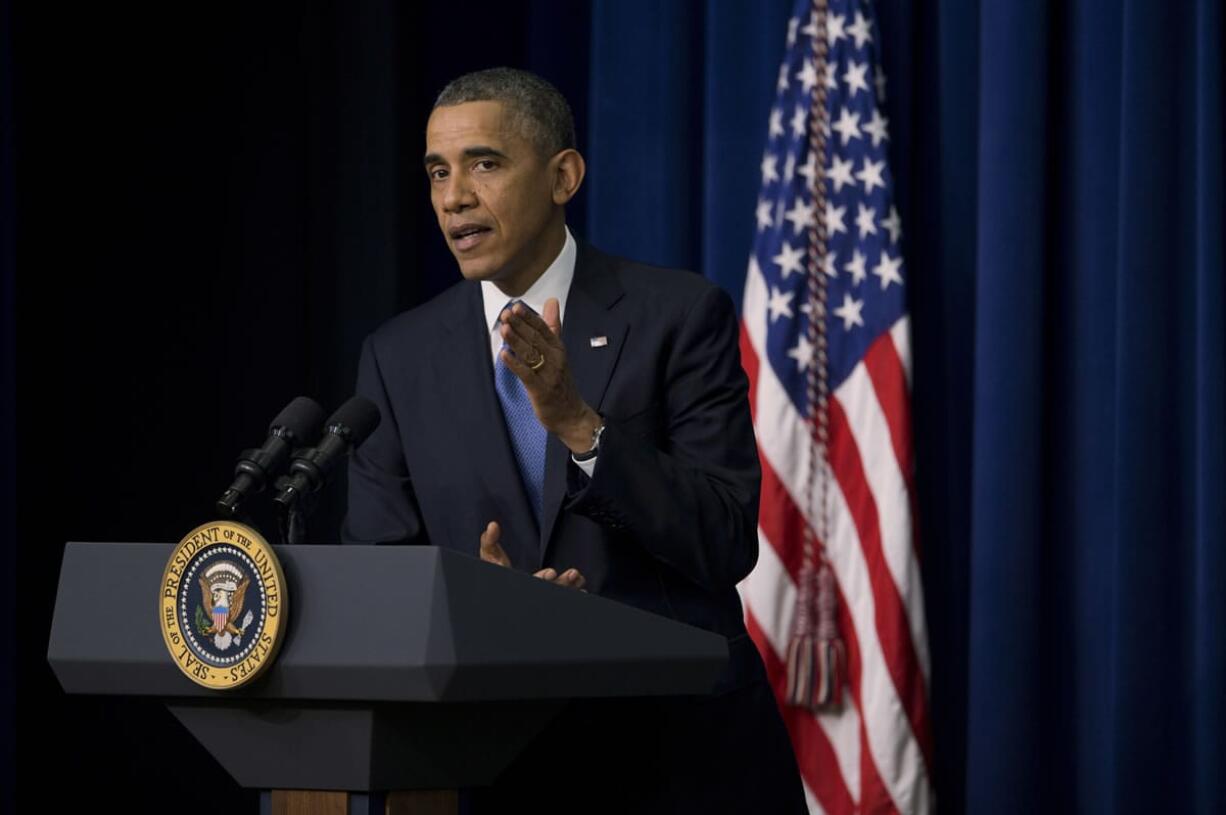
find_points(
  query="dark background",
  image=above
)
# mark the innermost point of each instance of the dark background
(205, 209)
(216, 203)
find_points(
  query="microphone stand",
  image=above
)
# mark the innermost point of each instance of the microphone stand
(292, 518)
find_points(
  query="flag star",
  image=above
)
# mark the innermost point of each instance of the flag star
(808, 76)
(789, 167)
(793, 24)
(788, 259)
(810, 29)
(893, 225)
(769, 171)
(866, 220)
(856, 78)
(780, 304)
(776, 123)
(878, 128)
(887, 270)
(806, 308)
(870, 174)
(828, 78)
(763, 214)
(850, 312)
(828, 264)
(834, 219)
(802, 353)
(782, 84)
(839, 172)
(879, 81)
(859, 30)
(856, 268)
(801, 215)
(848, 125)
(800, 121)
(809, 169)
(834, 29)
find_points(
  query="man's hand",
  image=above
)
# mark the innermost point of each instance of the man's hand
(539, 360)
(492, 552)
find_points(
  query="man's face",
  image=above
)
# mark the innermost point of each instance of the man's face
(491, 190)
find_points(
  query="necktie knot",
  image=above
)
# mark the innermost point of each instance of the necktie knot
(509, 305)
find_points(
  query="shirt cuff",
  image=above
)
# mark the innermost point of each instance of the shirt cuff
(588, 466)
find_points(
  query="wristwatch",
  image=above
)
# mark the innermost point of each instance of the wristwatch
(591, 454)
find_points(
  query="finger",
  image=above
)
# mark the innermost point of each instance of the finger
(531, 345)
(517, 366)
(491, 533)
(552, 316)
(491, 549)
(571, 578)
(527, 342)
(493, 553)
(531, 327)
(526, 349)
(547, 574)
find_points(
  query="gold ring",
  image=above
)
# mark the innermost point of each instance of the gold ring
(536, 365)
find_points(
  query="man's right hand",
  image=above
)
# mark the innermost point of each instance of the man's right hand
(492, 552)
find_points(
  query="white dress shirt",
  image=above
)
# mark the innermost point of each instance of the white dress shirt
(554, 282)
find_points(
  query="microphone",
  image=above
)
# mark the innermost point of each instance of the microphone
(298, 421)
(345, 429)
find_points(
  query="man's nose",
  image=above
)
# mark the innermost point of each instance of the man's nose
(458, 193)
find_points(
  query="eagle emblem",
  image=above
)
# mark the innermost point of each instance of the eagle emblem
(222, 605)
(223, 587)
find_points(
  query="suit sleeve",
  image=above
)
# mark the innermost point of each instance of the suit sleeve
(382, 505)
(692, 502)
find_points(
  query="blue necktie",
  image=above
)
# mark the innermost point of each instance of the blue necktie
(526, 432)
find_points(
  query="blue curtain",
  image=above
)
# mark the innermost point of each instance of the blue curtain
(1060, 176)
(1096, 606)
(678, 101)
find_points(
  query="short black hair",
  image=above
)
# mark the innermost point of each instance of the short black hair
(538, 109)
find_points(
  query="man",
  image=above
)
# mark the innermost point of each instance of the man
(583, 418)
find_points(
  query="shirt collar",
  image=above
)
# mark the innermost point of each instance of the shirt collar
(554, 282)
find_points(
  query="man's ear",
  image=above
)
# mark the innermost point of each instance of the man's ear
(567, 169)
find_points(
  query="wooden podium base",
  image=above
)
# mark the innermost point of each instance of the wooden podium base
(399, 802)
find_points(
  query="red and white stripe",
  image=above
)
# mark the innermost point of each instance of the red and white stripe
(875, 754)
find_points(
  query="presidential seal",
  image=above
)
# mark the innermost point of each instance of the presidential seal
(223, 605)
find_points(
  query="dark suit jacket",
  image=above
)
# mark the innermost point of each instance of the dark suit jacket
(667, 522)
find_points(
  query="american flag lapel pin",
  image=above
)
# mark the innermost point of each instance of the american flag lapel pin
(599, 342)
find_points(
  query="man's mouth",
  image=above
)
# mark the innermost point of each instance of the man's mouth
(467, 236)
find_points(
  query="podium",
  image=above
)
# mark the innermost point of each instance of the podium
(406, 672)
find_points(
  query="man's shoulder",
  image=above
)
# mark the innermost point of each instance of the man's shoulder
(661, 284)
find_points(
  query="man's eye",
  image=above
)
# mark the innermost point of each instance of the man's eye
(437, 174)
(486, 164)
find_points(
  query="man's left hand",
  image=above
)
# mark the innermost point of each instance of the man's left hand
(492, 552)
(539, 360)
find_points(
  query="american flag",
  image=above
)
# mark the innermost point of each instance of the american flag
(832, 417)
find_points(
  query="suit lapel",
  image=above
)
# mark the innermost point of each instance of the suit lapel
(589, 314)
(465, 371)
